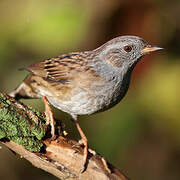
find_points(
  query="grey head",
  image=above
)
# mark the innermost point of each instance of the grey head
(125, 50)
(121, 54)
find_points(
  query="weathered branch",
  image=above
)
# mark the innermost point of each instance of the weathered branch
(22, 130)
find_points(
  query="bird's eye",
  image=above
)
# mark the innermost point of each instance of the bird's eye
(127, 48)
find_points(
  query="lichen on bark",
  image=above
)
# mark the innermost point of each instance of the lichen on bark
(21, 124)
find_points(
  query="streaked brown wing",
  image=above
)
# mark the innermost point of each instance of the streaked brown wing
(61, 68)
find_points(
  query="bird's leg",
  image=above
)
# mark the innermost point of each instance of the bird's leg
(49, 116)
(83, 141)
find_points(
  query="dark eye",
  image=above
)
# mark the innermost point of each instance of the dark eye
(127, 48)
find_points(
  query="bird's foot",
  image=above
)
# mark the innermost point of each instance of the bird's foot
(49, 117)
(53, 138)
(84, 142)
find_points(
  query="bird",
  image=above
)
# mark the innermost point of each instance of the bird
(84, 83)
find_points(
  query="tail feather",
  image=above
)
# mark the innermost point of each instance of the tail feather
(21, 92)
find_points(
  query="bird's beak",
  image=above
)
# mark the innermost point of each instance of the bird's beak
(150, 48)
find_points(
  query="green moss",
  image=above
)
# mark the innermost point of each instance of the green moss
(26, 128)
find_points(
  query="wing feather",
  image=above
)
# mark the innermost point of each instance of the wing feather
(61, 68)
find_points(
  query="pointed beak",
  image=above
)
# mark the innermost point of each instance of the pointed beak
(150, 48)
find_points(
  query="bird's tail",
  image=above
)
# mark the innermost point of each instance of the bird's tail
(24, 90)
(20, 92)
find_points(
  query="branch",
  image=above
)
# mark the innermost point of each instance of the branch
(22, 130)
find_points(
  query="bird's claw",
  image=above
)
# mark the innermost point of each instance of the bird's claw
(53, 138)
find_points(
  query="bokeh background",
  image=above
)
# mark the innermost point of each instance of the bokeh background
(141, 135)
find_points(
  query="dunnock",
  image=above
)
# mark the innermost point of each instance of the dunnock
(84, 82)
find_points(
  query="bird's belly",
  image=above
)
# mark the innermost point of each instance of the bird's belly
(85, 103)
(81, 101)
(80, 104)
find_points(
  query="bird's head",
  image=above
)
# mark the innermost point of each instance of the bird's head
(125, 51)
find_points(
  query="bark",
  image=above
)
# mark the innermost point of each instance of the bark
(23, 130)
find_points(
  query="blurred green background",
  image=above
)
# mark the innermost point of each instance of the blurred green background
(141, 135)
